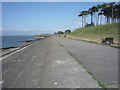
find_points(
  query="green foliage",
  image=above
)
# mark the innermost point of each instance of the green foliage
(60, 32)
(102, 85)
(67, 31)
(109, 10)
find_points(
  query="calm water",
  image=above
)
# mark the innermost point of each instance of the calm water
(9, 41)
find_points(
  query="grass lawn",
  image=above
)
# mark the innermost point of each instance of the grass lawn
(96, 33)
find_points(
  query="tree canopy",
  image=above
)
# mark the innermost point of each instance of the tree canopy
(67, 31)
(110, 11)
(60, 32)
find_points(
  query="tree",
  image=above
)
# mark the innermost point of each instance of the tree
(55, 33)
(116, 13)
(95, 9)
(67, 31)
(111, 5)
(91, 14)
(100, 13)
(109, 10)
(81, 14)
(100, 19)
(60, 32)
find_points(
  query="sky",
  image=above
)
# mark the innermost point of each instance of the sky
(59, 0)
(31, 18)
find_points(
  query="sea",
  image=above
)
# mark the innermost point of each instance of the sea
(11, 41)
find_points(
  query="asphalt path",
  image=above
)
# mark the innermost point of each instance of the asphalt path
(102, 61)
(44, 64)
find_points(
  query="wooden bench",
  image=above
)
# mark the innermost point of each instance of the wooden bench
(108, 41)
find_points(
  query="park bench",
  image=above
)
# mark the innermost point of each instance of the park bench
(64, 35)
(108, 41)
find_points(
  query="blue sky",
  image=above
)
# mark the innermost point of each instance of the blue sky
(29, 18)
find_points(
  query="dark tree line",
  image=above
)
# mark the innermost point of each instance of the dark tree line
(61, 32)
(111, 12)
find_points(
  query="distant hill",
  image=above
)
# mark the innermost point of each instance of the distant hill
(96, 33)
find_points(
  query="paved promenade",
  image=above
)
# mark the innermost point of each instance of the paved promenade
(102, 61)
(45, 64)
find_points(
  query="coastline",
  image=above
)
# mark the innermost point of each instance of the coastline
(8, 50)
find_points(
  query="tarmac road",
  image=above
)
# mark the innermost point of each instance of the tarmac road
(44, 64)
(102, 61)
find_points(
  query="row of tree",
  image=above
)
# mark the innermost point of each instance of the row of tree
(61, 32)
(110, 11)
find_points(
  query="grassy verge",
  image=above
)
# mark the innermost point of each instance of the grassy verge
(96, 33)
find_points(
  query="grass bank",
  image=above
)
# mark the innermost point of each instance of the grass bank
(96, 33)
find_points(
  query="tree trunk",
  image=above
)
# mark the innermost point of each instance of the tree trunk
(94, 19)
(97, 19)
(107, 19)
(82, 21)
(100, 19)
(112, 17)
(91, 19)
(85, 20)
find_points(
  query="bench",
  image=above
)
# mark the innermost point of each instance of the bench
(108, 41)
(64, 35)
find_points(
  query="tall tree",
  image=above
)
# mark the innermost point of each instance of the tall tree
(85, 13)
(81, 15)
(111, 6)
(116, 12)
(91, 14)
(109, 10)
(95, 9)
(100, 12)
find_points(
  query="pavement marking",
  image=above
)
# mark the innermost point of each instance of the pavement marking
(19, 75)
(1, 82)
(60, 62)
(5, 71)
(11, 86)
(55, 83)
